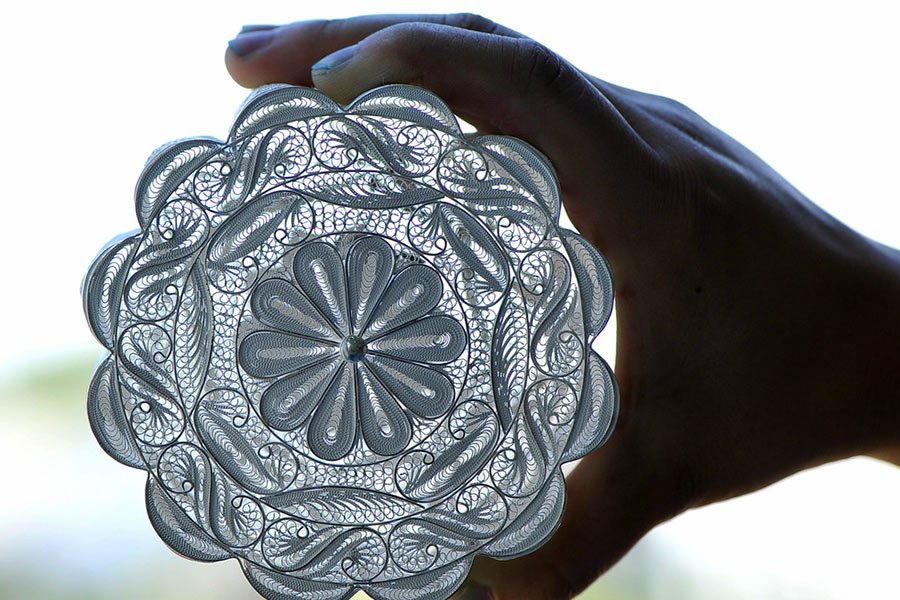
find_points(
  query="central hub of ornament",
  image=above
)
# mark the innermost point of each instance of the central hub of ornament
(353, 348)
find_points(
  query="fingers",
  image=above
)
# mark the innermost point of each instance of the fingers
(479, 74)
(501, 83)
(613, 500)
(290, 50)
(511, 86)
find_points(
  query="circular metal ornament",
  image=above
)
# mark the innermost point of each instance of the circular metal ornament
(350, 346)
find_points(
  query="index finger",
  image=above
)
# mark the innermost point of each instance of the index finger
(293, 48)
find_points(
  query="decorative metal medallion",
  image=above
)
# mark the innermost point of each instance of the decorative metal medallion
(350, 346)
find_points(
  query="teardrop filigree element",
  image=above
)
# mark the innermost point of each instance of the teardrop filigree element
(350, 346)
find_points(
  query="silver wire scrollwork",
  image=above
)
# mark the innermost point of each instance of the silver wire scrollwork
(350, 346)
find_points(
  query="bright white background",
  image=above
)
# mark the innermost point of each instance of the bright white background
(89, 90)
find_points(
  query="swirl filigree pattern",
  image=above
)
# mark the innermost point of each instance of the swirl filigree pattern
(350, 346)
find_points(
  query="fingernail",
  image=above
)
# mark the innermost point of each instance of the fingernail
(252, 41)
(336, 59)
(249, 28)
(474, 592)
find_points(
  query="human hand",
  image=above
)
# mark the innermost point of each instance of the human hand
(755, 332)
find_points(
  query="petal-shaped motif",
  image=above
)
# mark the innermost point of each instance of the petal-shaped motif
(273, 353)
(177, 530)
(413, 152)
(231, 449)
(424, 476)
(520, 467)
(527, 166)
(357, 555)
(287, 153)
(413, 293)
(107, 418)
(426, 392)
(516, 215)
(102, 287)
(478, 512)
(280, 305)
(429, 340)
(535, 523)
(289, 543)
(408, 103)
(277, 104)
(289, 401)
(166, 169)
(597, 410)
(234, 251)
(433, 584)
(193, 339)
(486, 268)
(364, 188)
(149, 391)
(237, 520)
(160, 262)
(594, 281)
(239, 172)
(509, 357)
(550, 406)
(342, 505)
(418, 545)
(384, 426)
(557, 339)
(278, 586)
(369, 267)
(319, 272)
(332, 429)
(341, 143)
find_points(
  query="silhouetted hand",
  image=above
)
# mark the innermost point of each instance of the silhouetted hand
(757, 335)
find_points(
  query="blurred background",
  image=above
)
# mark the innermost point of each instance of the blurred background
(91, 89)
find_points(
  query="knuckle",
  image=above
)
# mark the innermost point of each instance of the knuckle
(674, 106)
(539, 70)
(684, 118)
(697, 173)
(403, 40)
(408, 46)
(659, 104)
(410, 34)
(315, 29)
(472, 21)
(324, 28)
(540, 65)
(679, 116)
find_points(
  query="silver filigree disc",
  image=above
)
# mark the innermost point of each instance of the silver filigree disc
(351, 347)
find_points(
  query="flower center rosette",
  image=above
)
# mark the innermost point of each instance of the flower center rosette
(351, 347)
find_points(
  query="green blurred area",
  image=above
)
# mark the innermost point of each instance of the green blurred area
(94, 561)
(58, 390)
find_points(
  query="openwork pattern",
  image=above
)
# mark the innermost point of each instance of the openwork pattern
(350, 347)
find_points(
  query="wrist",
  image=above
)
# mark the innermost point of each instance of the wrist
(848, 385)
(881, 330)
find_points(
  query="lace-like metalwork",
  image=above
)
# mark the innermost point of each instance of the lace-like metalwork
(350, 347)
